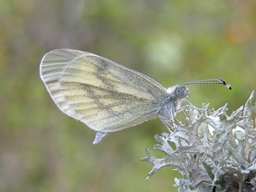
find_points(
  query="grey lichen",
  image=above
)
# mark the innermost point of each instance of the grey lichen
(212, 151)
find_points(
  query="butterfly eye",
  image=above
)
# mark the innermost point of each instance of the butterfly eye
(179, 92)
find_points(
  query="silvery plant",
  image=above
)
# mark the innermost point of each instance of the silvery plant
(212, 150)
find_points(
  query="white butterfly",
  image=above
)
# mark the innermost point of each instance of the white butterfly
(106, 96)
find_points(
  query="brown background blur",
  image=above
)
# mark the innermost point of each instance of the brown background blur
(43, 150)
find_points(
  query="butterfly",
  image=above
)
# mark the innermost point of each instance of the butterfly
(107, 96)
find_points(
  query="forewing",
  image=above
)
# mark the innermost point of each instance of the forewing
(101, 93)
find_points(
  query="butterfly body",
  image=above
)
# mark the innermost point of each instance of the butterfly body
(104, 95)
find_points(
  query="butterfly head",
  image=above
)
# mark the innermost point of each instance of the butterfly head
(181, 92)
(176, 95)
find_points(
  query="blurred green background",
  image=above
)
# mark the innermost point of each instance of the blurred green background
(43, 150)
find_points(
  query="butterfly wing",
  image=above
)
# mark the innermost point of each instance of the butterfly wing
(99, 92)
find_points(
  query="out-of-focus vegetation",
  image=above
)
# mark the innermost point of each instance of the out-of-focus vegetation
(43, 150)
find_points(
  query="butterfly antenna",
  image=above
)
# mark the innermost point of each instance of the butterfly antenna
(210, 81)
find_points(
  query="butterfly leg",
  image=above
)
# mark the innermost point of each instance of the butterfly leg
(167, 125)
(99, 137)
(166, 121)
(166, 116)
